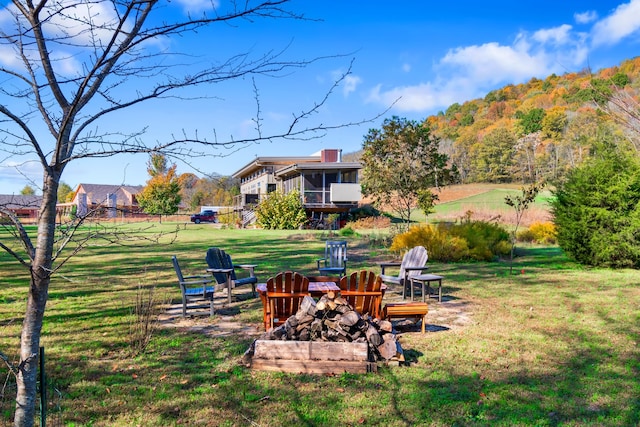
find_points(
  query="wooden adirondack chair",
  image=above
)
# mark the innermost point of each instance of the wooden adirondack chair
(193, 287)
(224, 271)
(364, 291)
(413, 263)
(285, 291)
(335, 259)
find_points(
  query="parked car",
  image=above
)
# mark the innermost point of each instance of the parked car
(204, 216)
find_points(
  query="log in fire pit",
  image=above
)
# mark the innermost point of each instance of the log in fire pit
(327, 336)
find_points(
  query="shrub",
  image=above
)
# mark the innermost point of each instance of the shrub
(486, 240)
(281, 211)
(440, 244)
(144, 318)
(363, 211)
(539, 232)
(347, 231)
(525, 236)
(476, 240)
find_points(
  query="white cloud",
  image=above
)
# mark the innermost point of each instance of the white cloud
(406, 67)
(73, 28)
(493, 63)
(8, 56)
(624, 21)
(469, 72)
(351, 82)
(72, 19)
(586, 17)
(558, 35)
(65, 63)
(6, 15)
(15, 175)
(421, 97)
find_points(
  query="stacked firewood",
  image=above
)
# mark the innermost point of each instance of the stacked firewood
(333, 319)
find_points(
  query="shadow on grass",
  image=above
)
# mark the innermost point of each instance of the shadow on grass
(191, 378)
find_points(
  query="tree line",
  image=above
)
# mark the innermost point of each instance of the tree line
(166, 190)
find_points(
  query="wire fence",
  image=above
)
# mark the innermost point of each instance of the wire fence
(48, 403)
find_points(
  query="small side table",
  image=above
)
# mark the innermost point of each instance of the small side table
(416, 310)
(426, 280)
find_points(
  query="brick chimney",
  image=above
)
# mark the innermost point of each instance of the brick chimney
(331, 156)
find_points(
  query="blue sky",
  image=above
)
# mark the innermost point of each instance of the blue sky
(414, 57)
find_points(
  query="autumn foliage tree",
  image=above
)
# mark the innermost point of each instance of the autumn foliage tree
(401, 162)
(161, 195)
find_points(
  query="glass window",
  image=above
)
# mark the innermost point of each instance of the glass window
(313, 197)
(313, 181)
(330, 178)
(350, 177)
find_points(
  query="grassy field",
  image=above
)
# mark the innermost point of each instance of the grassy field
(485, 202)
(556, 344)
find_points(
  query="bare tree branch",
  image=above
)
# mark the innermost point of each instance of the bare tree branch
(59, 115)
(22, 235)
(624, 109)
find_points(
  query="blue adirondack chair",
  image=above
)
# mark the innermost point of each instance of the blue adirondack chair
(193, 287)
(224, 271)
(335, 259)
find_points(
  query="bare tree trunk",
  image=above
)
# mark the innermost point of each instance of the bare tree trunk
(110, 48)
(36, 302)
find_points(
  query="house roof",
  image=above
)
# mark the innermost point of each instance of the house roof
(260, 162)
(98, 193)
(13, 202)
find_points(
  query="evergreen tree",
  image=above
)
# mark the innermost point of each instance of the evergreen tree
(597, 209)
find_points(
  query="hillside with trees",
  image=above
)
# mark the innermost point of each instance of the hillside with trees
(537, 130)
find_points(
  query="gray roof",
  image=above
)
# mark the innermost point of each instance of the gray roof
(19, 201)
(98, 193)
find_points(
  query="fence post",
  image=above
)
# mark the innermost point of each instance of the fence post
(43, 391)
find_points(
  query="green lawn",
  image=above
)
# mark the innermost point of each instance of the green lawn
(491, 200)
(557, 344)
(484, 206)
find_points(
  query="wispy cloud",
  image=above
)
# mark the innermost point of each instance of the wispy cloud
(624, 21)
(15, 174)
(557, 36)
(468, 72)
(422, 97)
(471, 71)
(351, 82)
(74, 31)
(585, 17)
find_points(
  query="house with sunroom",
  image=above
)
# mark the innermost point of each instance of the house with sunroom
(326, 184)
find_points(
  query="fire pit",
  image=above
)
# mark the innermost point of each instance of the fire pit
(327, 336)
